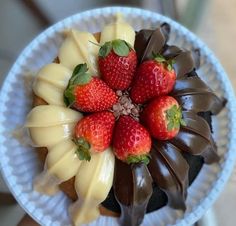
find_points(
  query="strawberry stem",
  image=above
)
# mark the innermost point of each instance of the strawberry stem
(138, 159)
(161, 59)
(83, 148)
(174, 118)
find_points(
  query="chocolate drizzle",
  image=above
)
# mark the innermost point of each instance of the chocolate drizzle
(133, 189)
(170, 171)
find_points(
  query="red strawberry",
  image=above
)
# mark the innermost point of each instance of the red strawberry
(131, 141)
(117, 62)
(154, 78)
(163, 117)
(87, 93)
(94, 133)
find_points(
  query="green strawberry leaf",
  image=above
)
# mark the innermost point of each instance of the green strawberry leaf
(80, 68)
(172, 111)
(130, 47)
(69, 97)
(120, 47)
(170, 125)
(170, 65)
(83, 155)
(80, 76)
(138, 159)
(182, 122)
(161, 59)
(105, 49)
(83, 148)
(174, 118)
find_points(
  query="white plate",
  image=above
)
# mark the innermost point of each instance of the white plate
(20, 165)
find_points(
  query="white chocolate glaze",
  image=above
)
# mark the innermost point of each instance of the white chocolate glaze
(93, 183)
(50, 124)
(61, 164)
(79, 47)
(51, 82)
(49, 136)
(118, 30)
(62, 160)
(50, 115)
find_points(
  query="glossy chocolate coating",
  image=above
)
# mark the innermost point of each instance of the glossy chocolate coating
(190, 91)
(193, 94)
(133, 189)
(176, 162)
(148, 42)
(196, 138)
(169, 170)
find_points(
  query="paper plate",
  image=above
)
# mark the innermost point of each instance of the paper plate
(20, 165)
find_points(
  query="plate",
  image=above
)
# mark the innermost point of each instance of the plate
(19, 164)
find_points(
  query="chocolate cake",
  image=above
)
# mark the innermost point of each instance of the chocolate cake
(141, 186)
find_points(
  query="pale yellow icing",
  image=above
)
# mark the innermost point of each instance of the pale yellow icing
(52, 125)
(79, 47)
(49, 136)
(50, 115)
(62, 160)
(49, 93)
(93, 183)
(61, 164)
(118, 30)
(51, 82)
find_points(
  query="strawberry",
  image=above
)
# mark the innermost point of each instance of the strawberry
(154, 78)
(87, 93)
(93, 133)
(117, 63)
(163, 117)
(131, 141)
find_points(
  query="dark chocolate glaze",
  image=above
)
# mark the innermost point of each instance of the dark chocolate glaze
(169, 170)
(159, 197)
(148, 42)
(170, 52)
(193, 94)
(184, 63)
(179, 160)
(196, 138)
(133, 189)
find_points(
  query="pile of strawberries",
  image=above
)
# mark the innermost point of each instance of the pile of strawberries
(145, 86)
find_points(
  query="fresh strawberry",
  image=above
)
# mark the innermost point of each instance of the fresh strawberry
(117, 62)
(93, 133)
(131, 141)
(87, 93)
(163, 117)
(154, 78)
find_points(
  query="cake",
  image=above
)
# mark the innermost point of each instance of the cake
(105, 176)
